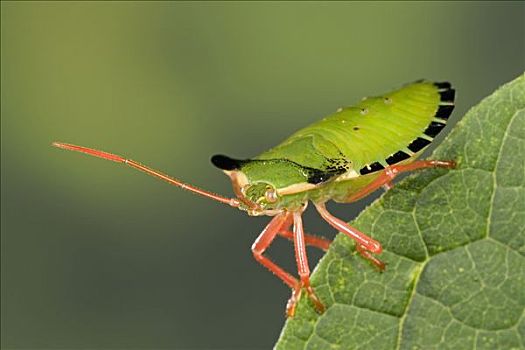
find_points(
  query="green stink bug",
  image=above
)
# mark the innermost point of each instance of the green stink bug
(343, 157)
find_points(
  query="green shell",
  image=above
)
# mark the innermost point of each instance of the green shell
(377, 132)
(358, 140)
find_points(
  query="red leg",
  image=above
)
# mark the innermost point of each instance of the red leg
(365, 245)
(368, 243)
(314, 241)
(264, 240)
(386, 177)
(302, 268)
(281, 223)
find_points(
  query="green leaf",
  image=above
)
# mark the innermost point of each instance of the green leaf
(454, 244)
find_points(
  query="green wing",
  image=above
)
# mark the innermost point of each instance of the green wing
(377, 132)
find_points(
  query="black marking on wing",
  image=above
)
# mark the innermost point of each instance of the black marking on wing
(444, 111)
(418, 144)
(443, 85)
(371, 168)
(335, 167)
(317, 176)
(447, 95)
(434, 128)
(397, 157)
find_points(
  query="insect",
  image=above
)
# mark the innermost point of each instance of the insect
(343, 157)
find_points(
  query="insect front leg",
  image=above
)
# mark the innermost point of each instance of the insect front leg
(302, 267)
(387, 176)
(263, 242)
(279, 223)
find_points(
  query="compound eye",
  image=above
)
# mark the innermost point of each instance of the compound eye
(270, 195)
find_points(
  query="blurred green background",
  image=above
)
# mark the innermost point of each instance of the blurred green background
(95, 255)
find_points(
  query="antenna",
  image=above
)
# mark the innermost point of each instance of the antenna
(233, 202)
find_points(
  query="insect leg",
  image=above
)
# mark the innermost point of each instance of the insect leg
(278, 223)
(422, 164)
(386, 177)
(312, 240)
(370, 257)
(263, 242)
(381, 180)
(302, 267)
(368, 243)
(365, 245)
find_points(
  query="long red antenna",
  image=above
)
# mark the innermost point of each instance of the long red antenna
(115, 158)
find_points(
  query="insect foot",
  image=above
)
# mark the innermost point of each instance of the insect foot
(318, 304)
(370, 257)
(449, 164)
(296, 295)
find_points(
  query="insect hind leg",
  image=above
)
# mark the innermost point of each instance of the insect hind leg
(366, 246)
(389, 174)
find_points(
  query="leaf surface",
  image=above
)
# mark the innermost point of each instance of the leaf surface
(454, 244)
